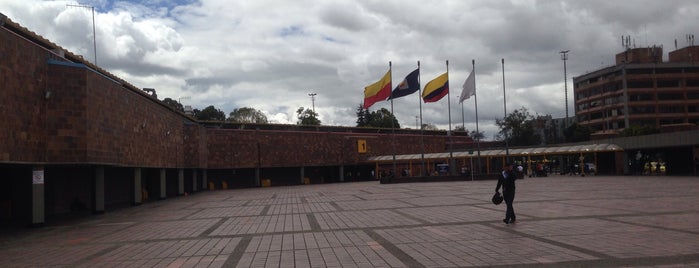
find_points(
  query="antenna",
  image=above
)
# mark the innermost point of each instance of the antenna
(626, 42)
(94, 35)
(690, 39)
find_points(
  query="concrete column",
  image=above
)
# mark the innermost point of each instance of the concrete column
(303, 174)
(194, 180)
(99, 190)
(38, 209)
(257, 177)
(163, 188)
(204, 180)
(137, 187)
(342, 173)
(180, 182)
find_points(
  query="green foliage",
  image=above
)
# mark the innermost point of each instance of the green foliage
(476, 135)
(174, 104)
(383, 118)
(307, 117)
(429, 127)
(247, 115)
(363, 116)
(577, 132)
(636, 130)
(210, 113)
(519, 128)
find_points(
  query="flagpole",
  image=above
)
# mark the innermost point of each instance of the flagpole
(451, 150)
(475, 97)
(393, 125)
(504, 100)
(463, 119)
(422, 139)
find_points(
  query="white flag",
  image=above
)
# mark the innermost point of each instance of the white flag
(469, 88)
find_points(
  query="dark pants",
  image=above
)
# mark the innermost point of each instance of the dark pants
(510, 213)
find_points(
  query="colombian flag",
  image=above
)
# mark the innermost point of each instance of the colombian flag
(436, 89)
(378, 91)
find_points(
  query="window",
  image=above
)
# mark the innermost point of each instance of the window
(668, 83)
(641, 97)
(596, 116)
(668, 71)
(671, 109)
(640, 84)
(639, 71)
(671, 96)
(671, 121)
(642, 110)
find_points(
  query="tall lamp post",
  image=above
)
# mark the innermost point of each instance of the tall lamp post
(313, 100)
(564, 57)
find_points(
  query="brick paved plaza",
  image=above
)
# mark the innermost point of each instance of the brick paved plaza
(563, 221)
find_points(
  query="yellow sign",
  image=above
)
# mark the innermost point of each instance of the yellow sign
(361, 146)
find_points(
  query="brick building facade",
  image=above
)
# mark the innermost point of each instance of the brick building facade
(72, 133)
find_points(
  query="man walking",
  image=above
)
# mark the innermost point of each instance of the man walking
(507, 181)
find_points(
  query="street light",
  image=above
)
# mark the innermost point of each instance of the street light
(564, 57)
(313, 100)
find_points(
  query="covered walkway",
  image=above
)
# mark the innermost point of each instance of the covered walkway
(559, 159)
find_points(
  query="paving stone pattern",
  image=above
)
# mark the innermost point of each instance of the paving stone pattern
(562, 221)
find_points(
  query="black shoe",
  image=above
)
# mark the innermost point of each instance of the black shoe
(512, 221)
(506, 221)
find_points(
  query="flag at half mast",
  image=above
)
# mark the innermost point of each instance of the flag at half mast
(378, 91)
(408, 86)
(436, 89)
(469, 88)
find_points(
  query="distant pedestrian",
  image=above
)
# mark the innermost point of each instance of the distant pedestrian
(507, 181)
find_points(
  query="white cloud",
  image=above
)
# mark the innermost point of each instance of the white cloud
(270, 54)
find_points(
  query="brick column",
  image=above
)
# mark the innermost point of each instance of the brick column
(342, 173)
(163, 188)
(194, 180)
(99, 190)
(137, 187)
(38, 209)
(257, 177)
(180, 182)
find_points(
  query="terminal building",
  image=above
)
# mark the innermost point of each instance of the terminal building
(75, 138)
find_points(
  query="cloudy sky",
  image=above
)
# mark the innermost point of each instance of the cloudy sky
(270, 55)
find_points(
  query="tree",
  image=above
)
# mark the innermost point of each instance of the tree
(247, 115)
(307, 117)
(382, 118)
(174, 104)
(518, 125)
(429, 127)
(476, 135)
(210, 114)
(636, 130)
(576, 133)
(363, 116)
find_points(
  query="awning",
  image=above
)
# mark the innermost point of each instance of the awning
(534, 151)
